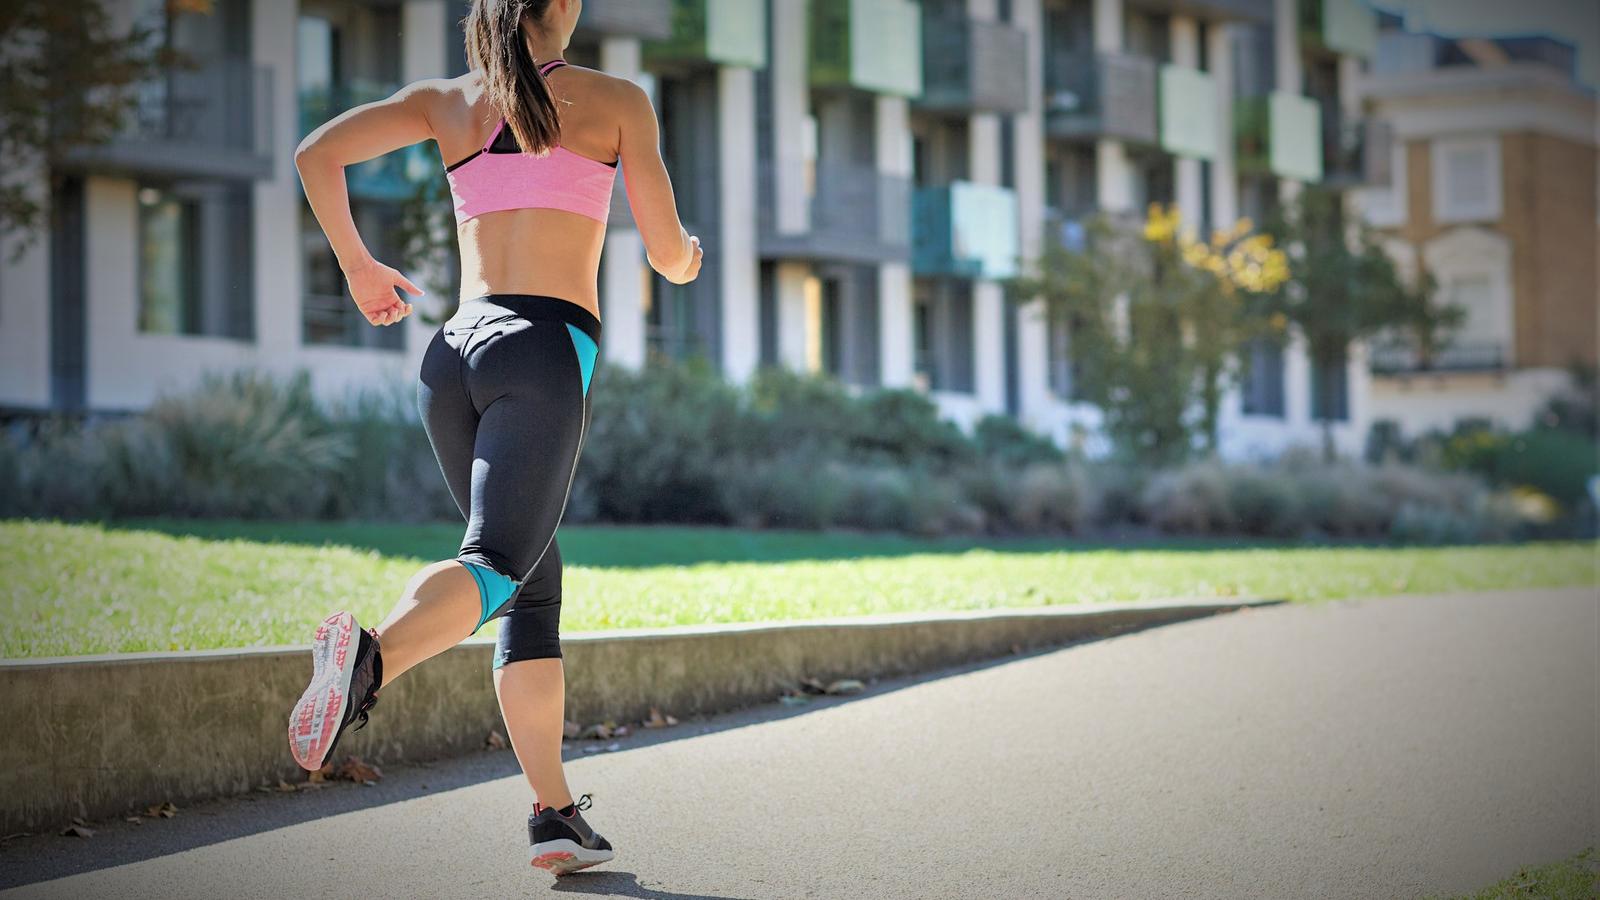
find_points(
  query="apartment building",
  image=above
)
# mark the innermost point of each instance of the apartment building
(1494, 193)
(865, 175)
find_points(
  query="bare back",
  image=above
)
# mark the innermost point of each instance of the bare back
(534, 251)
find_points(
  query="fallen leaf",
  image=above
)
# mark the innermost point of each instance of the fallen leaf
(135, 820)
(286, 787)
(621, 731)
(495, 741)
(812, 686)
(162, 810)
(596, 732)
(657, 720)
(82, 831)
(354, 768)
(845, 686)
(570, 729)
(316, 777)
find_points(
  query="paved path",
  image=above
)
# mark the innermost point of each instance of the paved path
(1388, 748)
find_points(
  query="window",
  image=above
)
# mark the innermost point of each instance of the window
(1262, 389)
(1466, 179)
(1385, 207)
(942, 323)
(196, 273)
(168, 276)
(1330, 392)
(328, 315)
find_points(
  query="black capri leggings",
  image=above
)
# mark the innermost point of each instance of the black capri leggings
(504, 395)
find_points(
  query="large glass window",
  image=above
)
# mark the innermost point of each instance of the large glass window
(1262, 390)
(942, 322)
(328, 314)
(168, 277)
(1330, 392)
(195, 266)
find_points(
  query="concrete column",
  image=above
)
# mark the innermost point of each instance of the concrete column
(988, 298)
(791, 110)
(894, 278)
(1224, 169)
(1033, 385)
(793, 280)
(1185, 35)
(1286, 40)
(740, 266)
(624, 277)
(1113, 174)
(276, 202)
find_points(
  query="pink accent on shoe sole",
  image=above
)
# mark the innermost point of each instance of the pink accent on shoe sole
(315, 719)
(560, 862)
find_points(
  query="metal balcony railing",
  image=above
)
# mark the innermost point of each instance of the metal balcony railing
(971, 66)
(1402, 358)
(964, 230)
(213, 120)
(856, 213)
(1225, 10)
(1092, 95)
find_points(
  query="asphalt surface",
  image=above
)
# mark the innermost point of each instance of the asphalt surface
(1386, 748)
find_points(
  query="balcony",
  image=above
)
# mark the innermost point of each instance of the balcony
(1279, 134)
(869, 45)
(964, 230)
(1188, 112)
(1358, 154)
(970, 66)
(1259, 11)
(1401, 358)
(714, 32)
(1348, 27)
(649, 19)
(214, 121)
(393, 176)
(1104, 95)
(857, 214)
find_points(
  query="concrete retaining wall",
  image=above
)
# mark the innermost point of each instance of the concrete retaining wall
(96, 736)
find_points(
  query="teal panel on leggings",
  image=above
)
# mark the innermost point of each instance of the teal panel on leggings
(494, 589)
(587, 351)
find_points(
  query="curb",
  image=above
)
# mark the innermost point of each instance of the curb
(94, 736)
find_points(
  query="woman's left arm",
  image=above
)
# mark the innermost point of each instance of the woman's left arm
(357, 135)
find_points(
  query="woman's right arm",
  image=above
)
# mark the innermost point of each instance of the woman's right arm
(671, 250)
(354, 136)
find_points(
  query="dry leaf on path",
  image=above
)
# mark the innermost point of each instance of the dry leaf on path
(657, 720)
(570, 729)
(845, 686)
(355, 768)
(495, 741)
(77, 830)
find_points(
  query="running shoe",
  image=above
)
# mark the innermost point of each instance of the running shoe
(565, 843)
(346, 670)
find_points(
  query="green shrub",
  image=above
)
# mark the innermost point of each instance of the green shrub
(1005, 440)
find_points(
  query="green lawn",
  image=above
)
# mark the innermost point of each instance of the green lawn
(74, 589)
(1577, 878)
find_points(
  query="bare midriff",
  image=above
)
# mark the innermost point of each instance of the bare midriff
(548, 252)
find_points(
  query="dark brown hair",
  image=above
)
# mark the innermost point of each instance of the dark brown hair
(510, 73)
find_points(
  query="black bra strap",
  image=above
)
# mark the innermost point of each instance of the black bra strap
(551, 66)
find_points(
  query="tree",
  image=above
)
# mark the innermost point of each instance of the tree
(1157, 320)
(1343, 288)
(64, 70)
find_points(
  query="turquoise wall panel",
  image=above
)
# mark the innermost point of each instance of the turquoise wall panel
(1296, 136)
(1188, 112)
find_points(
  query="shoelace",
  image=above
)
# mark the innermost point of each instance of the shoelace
(361, 714)
(583, 802)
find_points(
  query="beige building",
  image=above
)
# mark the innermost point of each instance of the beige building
(1494, 193)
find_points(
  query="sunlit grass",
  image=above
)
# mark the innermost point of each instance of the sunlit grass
(76, 589)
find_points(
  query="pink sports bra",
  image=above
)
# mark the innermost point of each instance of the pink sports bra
(502, 177)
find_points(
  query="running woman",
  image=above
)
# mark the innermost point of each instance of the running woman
(531, 147)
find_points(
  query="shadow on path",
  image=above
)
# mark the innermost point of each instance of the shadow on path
(615, 883)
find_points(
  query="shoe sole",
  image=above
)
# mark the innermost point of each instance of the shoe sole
(564, 857)
(314, 723)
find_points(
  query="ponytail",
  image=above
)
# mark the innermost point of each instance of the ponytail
(510, 74)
